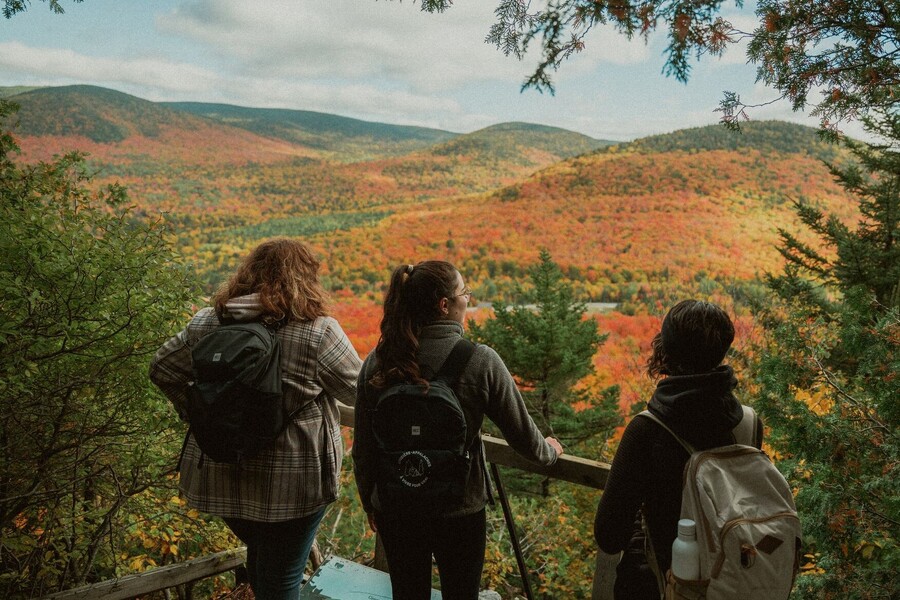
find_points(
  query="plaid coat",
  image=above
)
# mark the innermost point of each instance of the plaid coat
(301, 473)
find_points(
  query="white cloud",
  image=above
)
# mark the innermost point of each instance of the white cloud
(158, 79)
(390, 41)
(16, 57)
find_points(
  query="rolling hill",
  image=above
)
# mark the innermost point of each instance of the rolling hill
(119, 129)
(341, 138)
(522, 143)
(630, 226)
(762, 136)
(217, 164)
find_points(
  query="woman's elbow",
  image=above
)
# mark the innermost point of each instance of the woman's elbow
(607, 535)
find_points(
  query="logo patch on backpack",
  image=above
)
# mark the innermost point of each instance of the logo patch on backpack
(414, 468)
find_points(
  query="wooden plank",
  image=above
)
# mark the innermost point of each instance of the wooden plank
(347, 413)
(590, 473)
(343, 579)
(157, 579)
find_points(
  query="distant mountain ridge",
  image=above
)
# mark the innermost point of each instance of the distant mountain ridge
(764, 136)
(98, 114)
(117, 128)
(511, 141)
(321, 131)
(273, 120)
(104, 116)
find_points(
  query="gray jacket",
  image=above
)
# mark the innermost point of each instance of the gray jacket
(485, 388)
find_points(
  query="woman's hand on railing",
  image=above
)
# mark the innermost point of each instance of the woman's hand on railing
(554, 443)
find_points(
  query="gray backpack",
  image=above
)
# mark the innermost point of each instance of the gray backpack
(747, 525)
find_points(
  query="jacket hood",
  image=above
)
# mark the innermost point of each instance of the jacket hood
(704, 402)
(243, 309)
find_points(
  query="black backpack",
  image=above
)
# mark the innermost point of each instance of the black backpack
(422, 440)
(234, 404)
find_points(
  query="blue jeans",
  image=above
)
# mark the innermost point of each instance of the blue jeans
(277, 553)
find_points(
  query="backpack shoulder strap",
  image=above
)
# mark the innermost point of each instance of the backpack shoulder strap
(745, 432)
(456, 362)
(658, 421)
(449, 373)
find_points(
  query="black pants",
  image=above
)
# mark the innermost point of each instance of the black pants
(635, 580)
(457, 545)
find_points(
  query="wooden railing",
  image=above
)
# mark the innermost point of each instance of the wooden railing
(574, 469)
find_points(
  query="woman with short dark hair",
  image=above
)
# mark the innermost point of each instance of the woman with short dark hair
(424, 311)
(694, 398)
(275, 500)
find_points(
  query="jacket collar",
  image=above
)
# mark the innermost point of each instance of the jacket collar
(441, 329)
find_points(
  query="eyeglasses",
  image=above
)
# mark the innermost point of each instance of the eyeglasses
(466, 292)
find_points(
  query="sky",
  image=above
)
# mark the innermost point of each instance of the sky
(377, 60)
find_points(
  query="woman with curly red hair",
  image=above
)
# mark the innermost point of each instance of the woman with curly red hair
(275, 500)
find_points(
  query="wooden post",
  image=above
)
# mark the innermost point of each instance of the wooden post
(315, 556)
(380, 562)
(604, 575)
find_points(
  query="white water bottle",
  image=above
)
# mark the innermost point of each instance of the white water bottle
(686, 552)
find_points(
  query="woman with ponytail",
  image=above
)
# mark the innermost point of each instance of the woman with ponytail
(424, 313)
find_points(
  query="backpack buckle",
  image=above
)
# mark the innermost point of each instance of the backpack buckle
(748, 555)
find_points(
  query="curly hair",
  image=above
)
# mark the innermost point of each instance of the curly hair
(412, 301)
(694, 338)
(285, 274)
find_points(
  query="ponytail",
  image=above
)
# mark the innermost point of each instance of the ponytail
(411, 302)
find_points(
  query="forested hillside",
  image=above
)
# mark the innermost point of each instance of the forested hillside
(119, 129)
(338, 137)
(762, 136)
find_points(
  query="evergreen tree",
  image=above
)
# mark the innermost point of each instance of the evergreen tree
(89, 293)
(830, 380)
(548, 345)
(11, 7)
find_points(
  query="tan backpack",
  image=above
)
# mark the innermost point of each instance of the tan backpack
(747, 525)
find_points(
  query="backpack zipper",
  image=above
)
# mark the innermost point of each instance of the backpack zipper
(720, 560)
